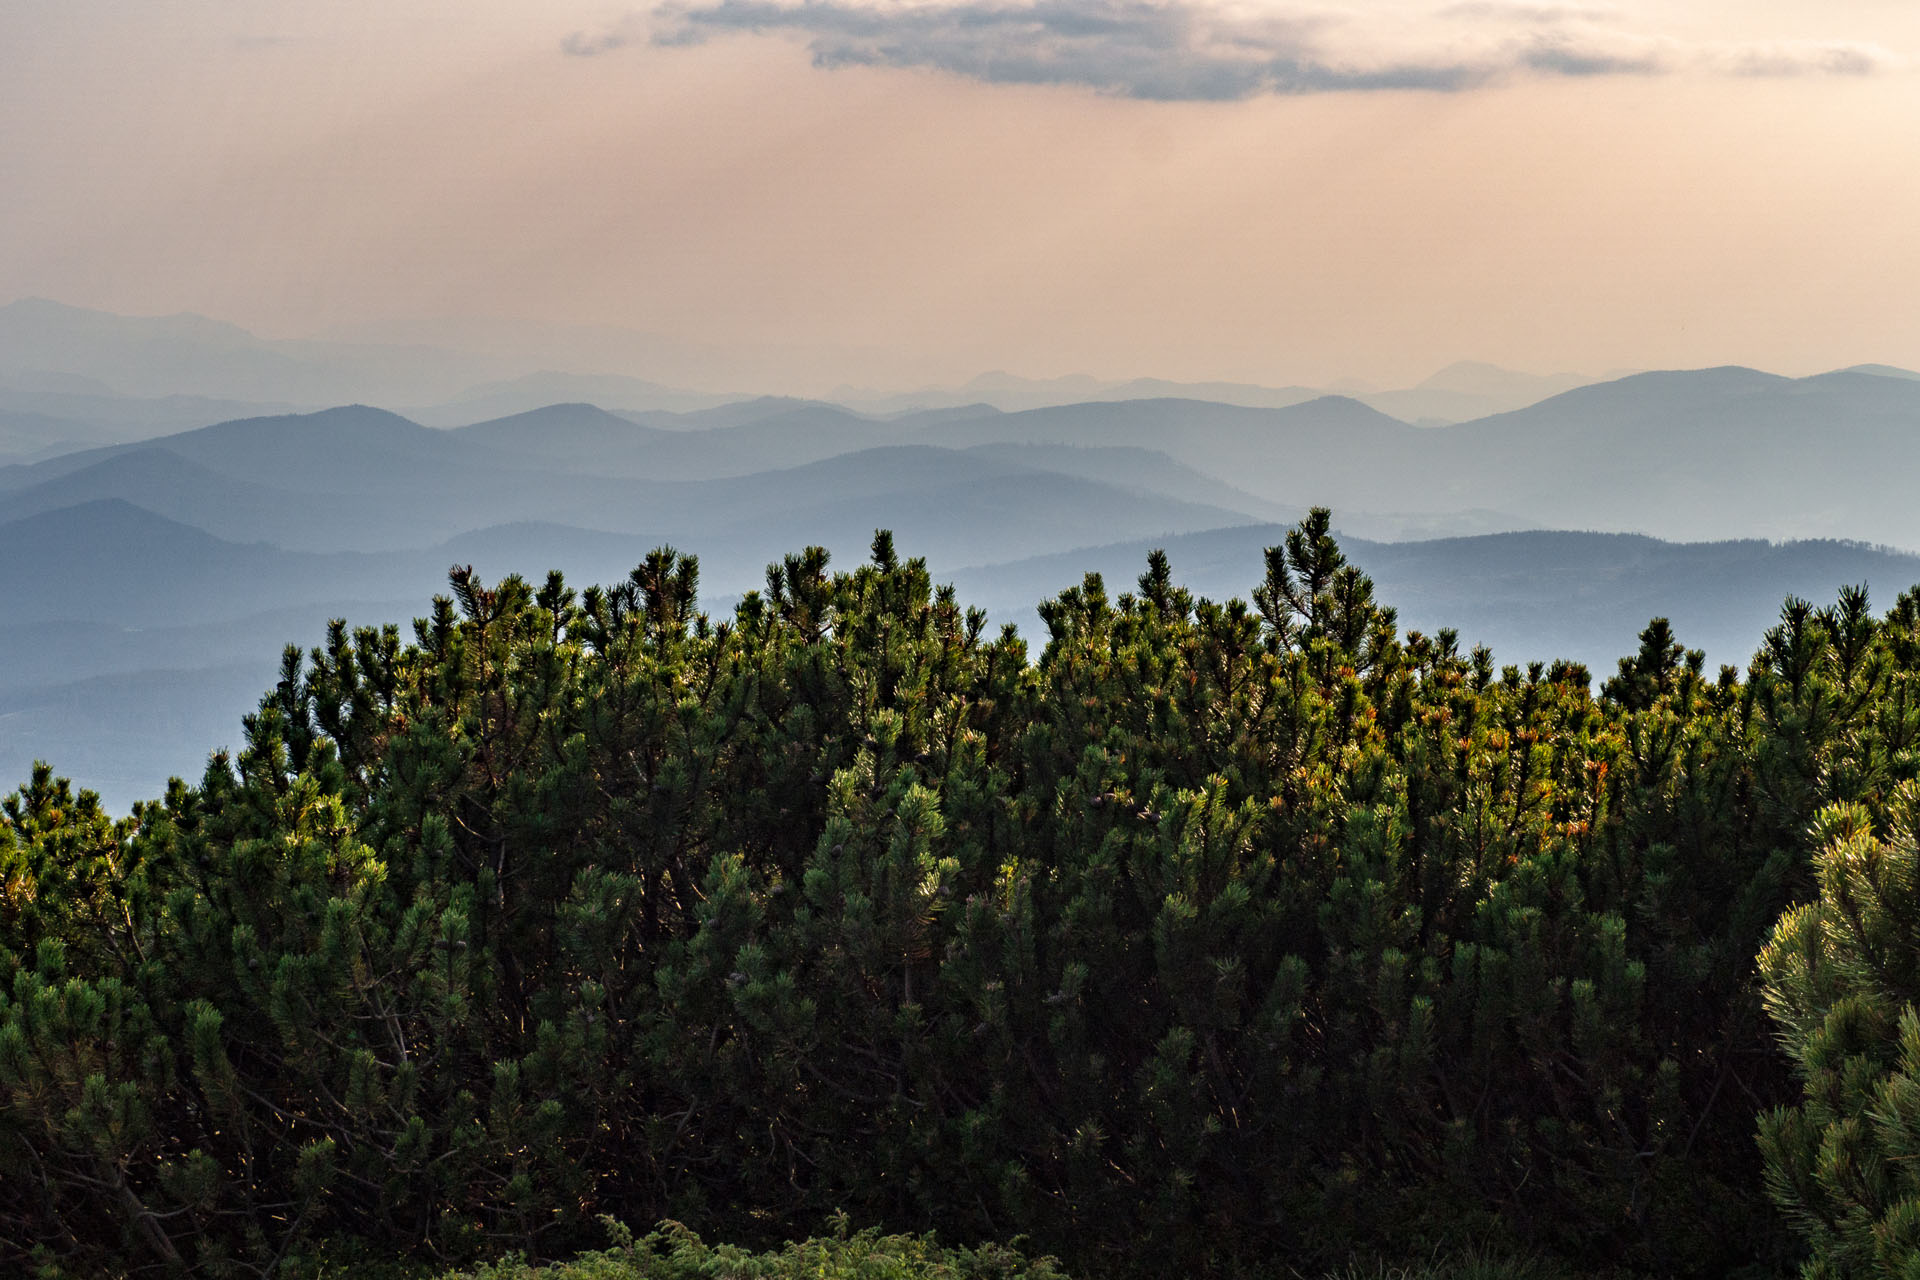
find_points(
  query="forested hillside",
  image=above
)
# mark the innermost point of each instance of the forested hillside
(1214, 939)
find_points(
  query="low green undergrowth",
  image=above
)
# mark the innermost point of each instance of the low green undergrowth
(673, 1252)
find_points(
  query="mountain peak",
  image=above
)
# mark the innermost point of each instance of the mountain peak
(91, 321)
(113, 521)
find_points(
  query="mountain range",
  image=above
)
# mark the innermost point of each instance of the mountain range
(69, 375)
(157, 549)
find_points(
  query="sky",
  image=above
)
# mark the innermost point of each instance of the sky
(796, 194)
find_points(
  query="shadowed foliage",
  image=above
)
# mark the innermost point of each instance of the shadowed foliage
(1211, 936)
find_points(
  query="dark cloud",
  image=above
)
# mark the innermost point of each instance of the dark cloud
(1124, 47)
(1560, 57)
(1192, 50)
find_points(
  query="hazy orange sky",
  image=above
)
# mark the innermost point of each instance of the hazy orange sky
(795, 195)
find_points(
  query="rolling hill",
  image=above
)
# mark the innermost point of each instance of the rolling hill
(136, 570)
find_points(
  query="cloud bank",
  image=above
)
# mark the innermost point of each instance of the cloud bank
(1201, 50)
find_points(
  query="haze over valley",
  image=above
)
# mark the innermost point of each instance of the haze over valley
(167, 532)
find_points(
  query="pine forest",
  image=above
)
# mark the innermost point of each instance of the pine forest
(1233, 939)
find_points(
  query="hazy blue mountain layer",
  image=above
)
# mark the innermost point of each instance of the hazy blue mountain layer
(363, 479)
(176, 634)
(1703, 454)
(1529, 596)
(183, 560)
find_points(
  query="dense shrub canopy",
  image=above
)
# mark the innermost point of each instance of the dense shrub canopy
(1843, 980)
(1210, 934)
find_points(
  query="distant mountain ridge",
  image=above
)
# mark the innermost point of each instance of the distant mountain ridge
(363, 479)
(134, 644)
(151, 356)
(1681, 455)
(225, 539)
(46, 345)
(1456, 393)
